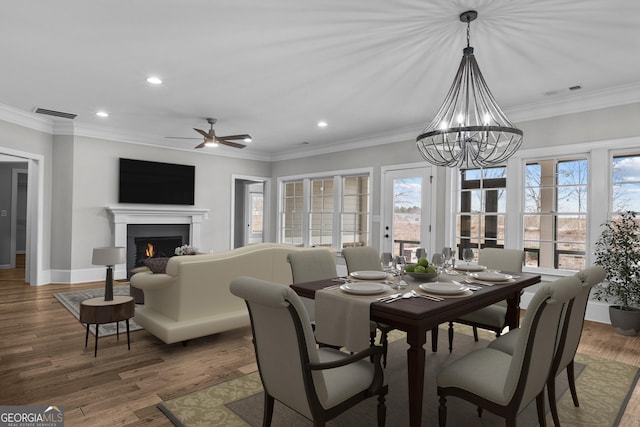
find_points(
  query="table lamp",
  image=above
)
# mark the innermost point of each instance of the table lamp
(108, 256)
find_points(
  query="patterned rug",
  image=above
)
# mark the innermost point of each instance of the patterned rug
(603, 386)
(71, 301)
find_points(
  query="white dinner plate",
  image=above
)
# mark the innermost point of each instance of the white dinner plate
(472, 267)
(369, 275)
(364, 288)
(443, 288)
(491, 276)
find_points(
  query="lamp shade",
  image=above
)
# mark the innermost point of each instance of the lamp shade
(110, 255)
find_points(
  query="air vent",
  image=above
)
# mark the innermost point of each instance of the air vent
(55, 113)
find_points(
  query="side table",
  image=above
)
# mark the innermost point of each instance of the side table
(97, 311)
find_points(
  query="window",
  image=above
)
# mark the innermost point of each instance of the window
(355, 211)
(292, 213)
(625, 191)
(555, 213)
(326, 211)
(321, 213)
(482, 208)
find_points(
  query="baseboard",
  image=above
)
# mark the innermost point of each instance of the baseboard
(85, 275)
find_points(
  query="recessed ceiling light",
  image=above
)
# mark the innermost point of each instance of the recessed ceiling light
(322, 124)
(102, 114)
(154, 80)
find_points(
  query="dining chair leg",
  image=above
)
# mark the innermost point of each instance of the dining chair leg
(384, 340)
(268, 410)
(572, 383)
(450, 337)
(382, 410)
(542, 419)
(551, 392)
(475, 333)
(442, 412)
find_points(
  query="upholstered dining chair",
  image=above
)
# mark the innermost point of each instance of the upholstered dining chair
(494, 316)
(503, 383)
(567, 343)
(310, 265)
(318, 383)
(366, 258)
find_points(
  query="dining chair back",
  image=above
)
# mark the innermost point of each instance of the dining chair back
(568, 341)
(310, 265)
(362, 258)
(318, 383)
(494, 316)
(505, 383)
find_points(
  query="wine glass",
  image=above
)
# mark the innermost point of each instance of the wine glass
(400, 263)
(467, 256)
(438, 261)
(447, 253)
(386, 259)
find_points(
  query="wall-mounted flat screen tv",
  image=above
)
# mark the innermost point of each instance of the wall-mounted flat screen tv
(148, 182)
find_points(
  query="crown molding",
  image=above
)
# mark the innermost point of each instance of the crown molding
(25, 119)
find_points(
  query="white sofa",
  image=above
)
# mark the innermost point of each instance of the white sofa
(193, 300)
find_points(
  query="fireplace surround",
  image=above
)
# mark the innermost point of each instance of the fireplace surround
(122, 217)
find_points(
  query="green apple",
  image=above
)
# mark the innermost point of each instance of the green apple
(423, 262)
(420, 269)
(410, 268)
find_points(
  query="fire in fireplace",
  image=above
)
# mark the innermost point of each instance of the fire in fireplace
(155, 247)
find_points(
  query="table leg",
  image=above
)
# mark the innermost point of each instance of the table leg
(415, 369)
(95, 351)
(117, 331)
(86, 336)
(513, 311)
(128, 340)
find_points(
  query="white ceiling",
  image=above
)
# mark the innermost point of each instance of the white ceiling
(375, 70)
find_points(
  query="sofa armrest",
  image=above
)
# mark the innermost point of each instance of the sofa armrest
(148, 281)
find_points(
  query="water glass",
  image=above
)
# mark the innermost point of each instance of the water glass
(467, 256)
(400, 263)
(447, 253)
(438, 261)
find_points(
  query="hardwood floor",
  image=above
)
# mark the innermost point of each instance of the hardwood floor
(43, 361)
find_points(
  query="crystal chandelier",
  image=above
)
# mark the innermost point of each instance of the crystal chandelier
(470, 129)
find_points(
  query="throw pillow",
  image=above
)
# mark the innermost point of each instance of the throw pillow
(157, 265)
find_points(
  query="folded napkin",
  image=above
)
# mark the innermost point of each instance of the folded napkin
(343, 319)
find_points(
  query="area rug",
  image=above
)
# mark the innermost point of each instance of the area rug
(71, 301)
(603, 386)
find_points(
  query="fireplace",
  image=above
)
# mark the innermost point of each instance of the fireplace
(122, 217)
(153, 241)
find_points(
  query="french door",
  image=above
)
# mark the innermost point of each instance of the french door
(406, 210)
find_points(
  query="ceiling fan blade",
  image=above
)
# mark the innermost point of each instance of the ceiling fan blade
(229, 143)
(201, 145)
(242, 136)
(203, 133)
(181, 137)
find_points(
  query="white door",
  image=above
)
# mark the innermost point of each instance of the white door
(406, 211)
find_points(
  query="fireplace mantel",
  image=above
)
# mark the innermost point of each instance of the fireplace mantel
(122, 216)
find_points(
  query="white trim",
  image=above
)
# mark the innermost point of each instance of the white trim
(14, 213)
(266, 182)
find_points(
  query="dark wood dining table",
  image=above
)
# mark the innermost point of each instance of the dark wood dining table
(417, 316)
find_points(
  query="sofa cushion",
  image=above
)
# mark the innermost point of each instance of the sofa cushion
(157, 265)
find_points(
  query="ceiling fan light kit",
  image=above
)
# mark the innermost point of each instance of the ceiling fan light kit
(470, 129)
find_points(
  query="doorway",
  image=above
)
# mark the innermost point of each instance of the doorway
(250, 215)
(406, 211)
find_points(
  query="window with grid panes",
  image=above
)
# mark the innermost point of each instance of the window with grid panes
(481, 208)
(625, 181)
(321, 212)
(555, 214)
(355, 211)
(292, 213)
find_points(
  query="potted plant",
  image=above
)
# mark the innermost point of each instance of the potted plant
(617, 250)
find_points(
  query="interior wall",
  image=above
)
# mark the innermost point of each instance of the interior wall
(99, 158)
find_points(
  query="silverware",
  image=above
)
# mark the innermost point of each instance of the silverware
(388, 297)
(478, 283)
(429, 297)
(328, 288)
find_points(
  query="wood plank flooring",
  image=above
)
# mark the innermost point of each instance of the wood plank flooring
(43, 361)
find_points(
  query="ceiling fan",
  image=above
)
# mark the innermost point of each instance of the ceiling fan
(212, 140)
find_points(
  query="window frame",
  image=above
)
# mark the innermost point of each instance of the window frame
(337, 177)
